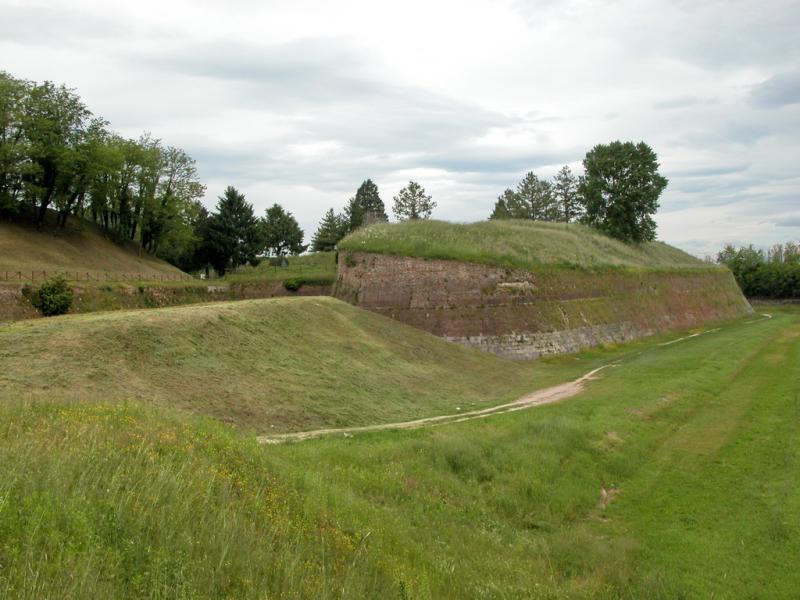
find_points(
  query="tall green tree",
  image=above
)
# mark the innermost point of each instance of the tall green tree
(280, 233)
(233, 234)
(567, 199)
(504, 204)
(53, 122)
(331, 230)
(413, 203)
(621, 188)
(13, 146)
(366, 207)
(534, 197)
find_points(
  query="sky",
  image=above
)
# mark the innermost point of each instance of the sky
(298, 102)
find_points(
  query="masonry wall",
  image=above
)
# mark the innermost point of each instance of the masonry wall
(525, 314)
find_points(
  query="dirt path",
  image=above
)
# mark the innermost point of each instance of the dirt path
(548, 395)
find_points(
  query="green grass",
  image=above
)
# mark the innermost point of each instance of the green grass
(317, 267)
(81, 249)
(516, 244)
(270, 365)
(698, 443)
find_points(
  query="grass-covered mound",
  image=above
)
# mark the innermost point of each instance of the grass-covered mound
(270, 365)
(80, 247)
(516, 244)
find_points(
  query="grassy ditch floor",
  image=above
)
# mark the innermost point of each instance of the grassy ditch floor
(676, 475)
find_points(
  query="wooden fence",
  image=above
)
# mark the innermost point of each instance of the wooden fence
(38, 275)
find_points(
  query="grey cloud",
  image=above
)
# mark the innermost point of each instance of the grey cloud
(683, 102)
(790, 221)
(708, 171)
(47, 25)
(780, 90)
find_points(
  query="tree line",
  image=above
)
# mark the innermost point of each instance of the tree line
(772, 274)
(55, 155)
(617, 194)
(366, 208)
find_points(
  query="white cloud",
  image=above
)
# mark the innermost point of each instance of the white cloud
(299, 102)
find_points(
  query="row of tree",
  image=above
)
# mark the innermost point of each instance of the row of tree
(233, 235)
(55, 155)
(771, 274)
(618, 193)
(366, 208)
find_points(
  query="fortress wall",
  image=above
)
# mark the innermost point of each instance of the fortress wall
(525, 314)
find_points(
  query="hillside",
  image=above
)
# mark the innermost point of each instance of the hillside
(516, 244)
(660, 481)
(80, 247)
(269, 365)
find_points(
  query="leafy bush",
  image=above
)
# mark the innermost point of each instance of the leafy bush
(54, 297)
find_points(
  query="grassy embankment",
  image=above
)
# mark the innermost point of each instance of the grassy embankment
(109, 276)
(80, 248)
(517, 244)
(269, 365)
(697, 445)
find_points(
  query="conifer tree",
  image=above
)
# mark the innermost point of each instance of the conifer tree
(413, 203)
(331, 229)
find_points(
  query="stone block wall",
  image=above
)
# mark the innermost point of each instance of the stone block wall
(525, 314)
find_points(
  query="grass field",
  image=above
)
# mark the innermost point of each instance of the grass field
(315, 268)
(516, 244)
(696, 444)
(80, 248)
(270, 365)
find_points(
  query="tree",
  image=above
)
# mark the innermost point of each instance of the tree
(501, 207)
(534, 198)
(53, 122)
(13, 147)
(565, 192)
(621, 187)
(413, 203)
(331, 229)
(280, 233)
(232, 236)
(366, 207)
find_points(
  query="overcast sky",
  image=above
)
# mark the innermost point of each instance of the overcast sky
(298, 102)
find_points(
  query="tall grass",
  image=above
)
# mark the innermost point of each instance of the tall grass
(516, 244)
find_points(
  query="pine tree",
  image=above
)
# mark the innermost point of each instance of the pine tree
(502, 208)
(280, 233)
(366, 207)
(413, 203)
(331, 229)
(232, 236)
(535, 197)
(565, 191)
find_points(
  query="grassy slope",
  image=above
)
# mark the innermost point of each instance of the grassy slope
(81, 247)
(700, 442)
(516, 244)
(271, 365)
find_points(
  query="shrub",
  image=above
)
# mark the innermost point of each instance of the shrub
(54, 297)
(295, 283)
